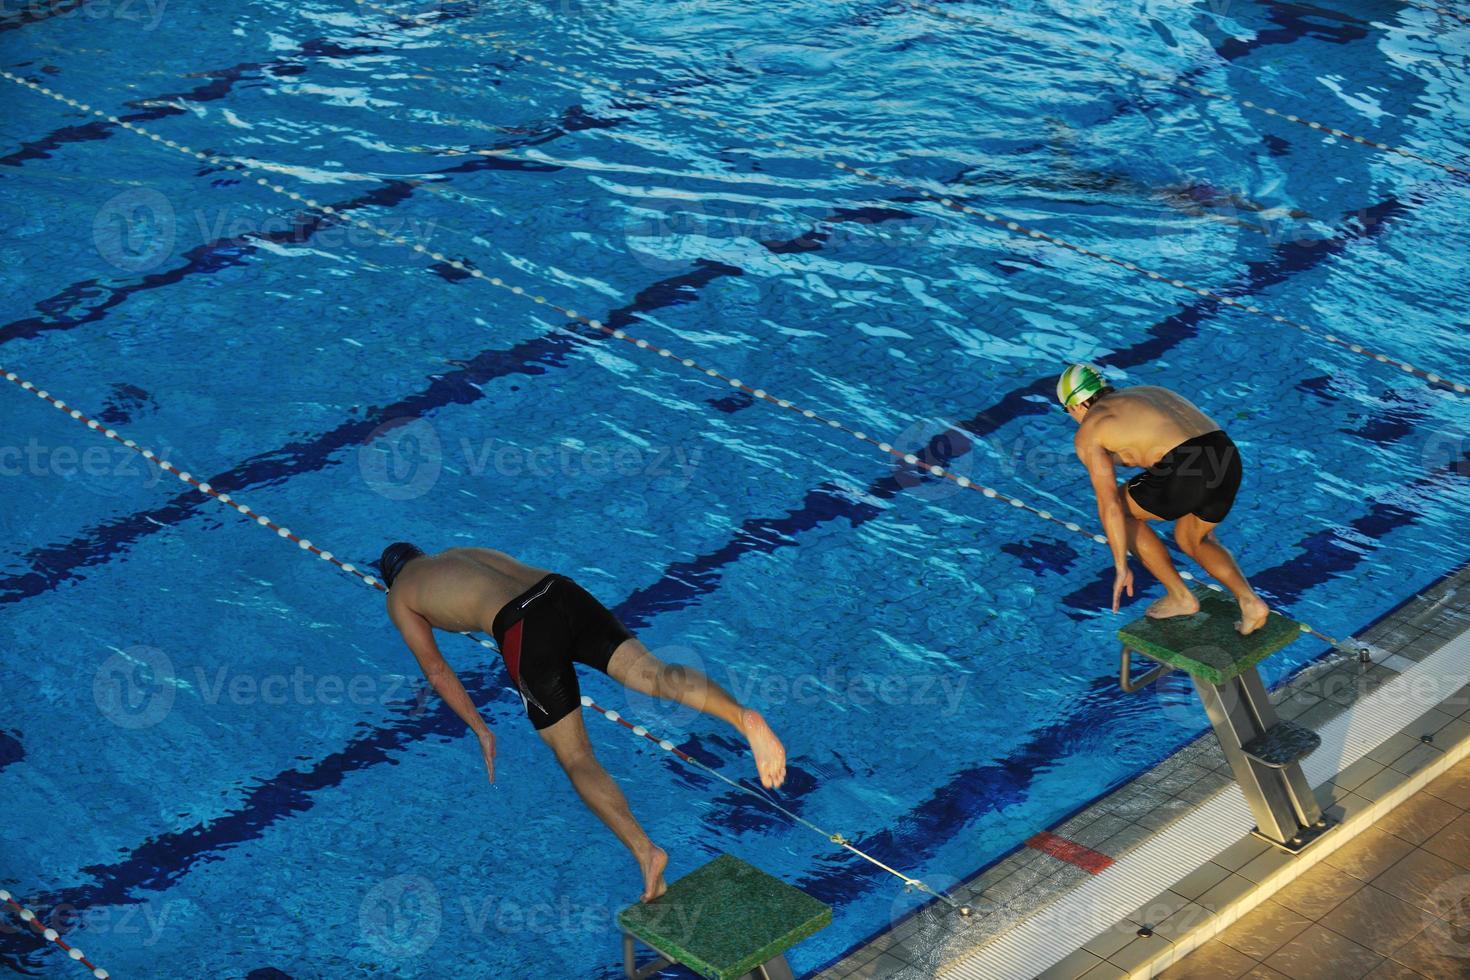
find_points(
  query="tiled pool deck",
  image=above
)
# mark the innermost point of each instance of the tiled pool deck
(1247, 879)
(1392, 904)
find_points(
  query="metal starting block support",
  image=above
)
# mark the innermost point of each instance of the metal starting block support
(1264, 752)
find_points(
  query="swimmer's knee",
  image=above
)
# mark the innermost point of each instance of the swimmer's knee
(568, 740)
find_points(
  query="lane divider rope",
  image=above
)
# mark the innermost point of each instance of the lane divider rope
(50, 935)
(373, 582)
(760, 394)
(939, 197)
(1180, 82)
(244, 167)
(943, 198)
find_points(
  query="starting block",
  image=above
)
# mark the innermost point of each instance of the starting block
(1265, 753)
(727, 920)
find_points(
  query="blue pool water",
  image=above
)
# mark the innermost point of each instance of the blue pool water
(214, 754)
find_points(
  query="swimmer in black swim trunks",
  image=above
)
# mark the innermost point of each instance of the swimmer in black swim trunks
(543, 624)
(1192, 472)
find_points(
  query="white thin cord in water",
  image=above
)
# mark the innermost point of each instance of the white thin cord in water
(838, 839)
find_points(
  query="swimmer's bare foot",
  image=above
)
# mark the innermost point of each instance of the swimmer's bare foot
(770, 755)
(1174, 605)
(1254, 612)
(652, 865)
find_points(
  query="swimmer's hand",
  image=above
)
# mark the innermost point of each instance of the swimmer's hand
(487, 749)
(1123, 581)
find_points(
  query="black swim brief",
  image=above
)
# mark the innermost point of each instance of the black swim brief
(542, 632)
(1201, 477)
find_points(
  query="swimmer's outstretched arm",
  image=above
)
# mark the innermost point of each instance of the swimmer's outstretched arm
(1104, 474)
(419, 636)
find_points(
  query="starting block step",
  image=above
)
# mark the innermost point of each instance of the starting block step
(725, 920)
(1206, 644)
(1285, 743)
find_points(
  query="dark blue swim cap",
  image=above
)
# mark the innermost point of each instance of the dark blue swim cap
(395, 556)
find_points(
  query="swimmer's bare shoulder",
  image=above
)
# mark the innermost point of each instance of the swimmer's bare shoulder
(1172, 406)
(1097, 426)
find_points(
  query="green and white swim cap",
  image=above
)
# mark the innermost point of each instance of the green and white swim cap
(1079, 383)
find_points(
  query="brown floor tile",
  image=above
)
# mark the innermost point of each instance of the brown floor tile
(1369, 854)
(1212, 961)
(1321, 954)
(1453, 842)
(1318, 891)
(1375, 919)
(1417, 877)
(1264, 929)
(1419, 818)
(1395, 971)
(1438, 952)
(1454, 785)
(1263, 972)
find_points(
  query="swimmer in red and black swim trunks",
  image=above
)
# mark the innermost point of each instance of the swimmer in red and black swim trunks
(1192, 472)
(546, 623)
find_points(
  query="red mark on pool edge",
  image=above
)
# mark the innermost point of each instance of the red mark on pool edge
(1072, 852)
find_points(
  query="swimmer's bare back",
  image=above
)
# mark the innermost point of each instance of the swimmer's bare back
(462, 589)
(1140, 426)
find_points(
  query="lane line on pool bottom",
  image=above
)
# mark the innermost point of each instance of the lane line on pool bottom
(244, 166)
(1184, 83)
(372, 581)
(51, 935)
(941, 197)
(1438, 9)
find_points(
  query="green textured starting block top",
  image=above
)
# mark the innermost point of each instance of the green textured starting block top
(726, 919)
(1206, 644)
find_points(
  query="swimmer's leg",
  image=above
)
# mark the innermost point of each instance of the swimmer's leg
(1198, 540)
(632, 665)
(1146, 544)
(568, 739)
